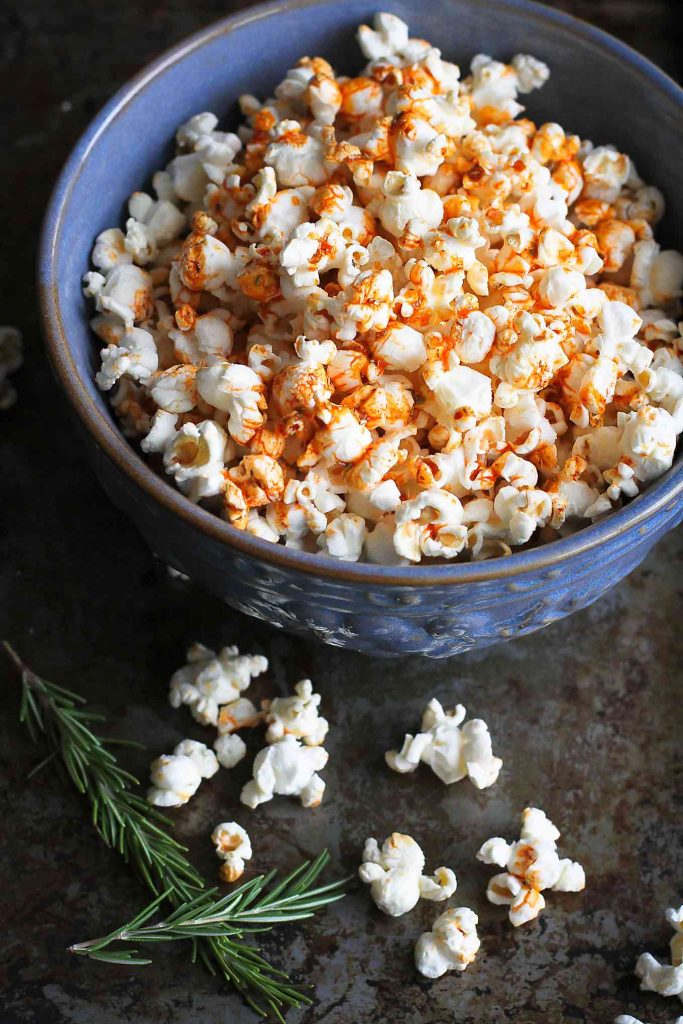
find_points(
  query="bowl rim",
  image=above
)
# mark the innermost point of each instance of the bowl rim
(111, 441)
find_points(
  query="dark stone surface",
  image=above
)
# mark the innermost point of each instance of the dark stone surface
(586, 714)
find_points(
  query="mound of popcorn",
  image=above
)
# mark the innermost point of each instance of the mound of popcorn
(450, 751)
(531, 865)
(391, 319)
(666, 979)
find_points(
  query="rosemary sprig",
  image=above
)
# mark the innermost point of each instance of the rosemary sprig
(126, 822)
(252, 908)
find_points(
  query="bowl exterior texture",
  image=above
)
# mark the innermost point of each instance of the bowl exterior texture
(598, 88)
(436, 620)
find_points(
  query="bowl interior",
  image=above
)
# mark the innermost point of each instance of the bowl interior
(598, 89)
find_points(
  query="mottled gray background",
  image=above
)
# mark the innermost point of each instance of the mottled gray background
(587, 715)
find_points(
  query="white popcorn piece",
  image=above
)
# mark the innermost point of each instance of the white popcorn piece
(233, 847)
(286, 768)
(230, 749)
(136, 357)
(406, 206)
(237, 390)
(344, 537)
(451, 945)
(532, 865)
(195, 457)
(110, 250)
(665, 979)
(210, 680)
(452, 752)
(176, 777)
(297, 716)
(394, 874)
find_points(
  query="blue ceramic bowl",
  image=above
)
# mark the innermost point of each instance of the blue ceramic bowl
(598, 88)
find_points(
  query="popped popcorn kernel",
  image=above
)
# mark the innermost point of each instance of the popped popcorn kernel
(665, 979)
(176, 777)
(450, 751)
(392, 319)
(394, 874)
(451, 945)
(532, 864)
(233, 847)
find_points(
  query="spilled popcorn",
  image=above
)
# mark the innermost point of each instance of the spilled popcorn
(233, 847)
(450, 751)
(11, 358)
(451, 945)
(286, 768)
(392, 320)
(532, 864)
(666, 979)
(394, 874)
(296, 716)
(210, 680)
(176, 777)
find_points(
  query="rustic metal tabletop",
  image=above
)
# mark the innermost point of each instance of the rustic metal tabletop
(586, 714)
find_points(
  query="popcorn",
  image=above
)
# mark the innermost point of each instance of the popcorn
(237, 390)
(297, 716)
(451, 752)
(195, 456)
(240, 713)
(286, 768)
(296, 158)
(176, 777)
(343, 538)
(430, 524)
(233, 847)
(389, 319)
(126, 293)
(136, 358)
(532, 865)
(230, 750)
(394, 874)
(406, 206)
(210, 680)
(11, 358)
(451, 945)
(661, 978)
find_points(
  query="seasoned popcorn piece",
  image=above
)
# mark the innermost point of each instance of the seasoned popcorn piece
(451, 945)
(286, 768)
(176, 777)
(532, 865)
(210, 680)
(450, 751)
(296, 716)
(136, 357)
(394, 874)
(233, 847)
(665, 979)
